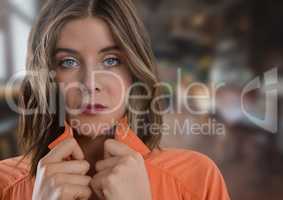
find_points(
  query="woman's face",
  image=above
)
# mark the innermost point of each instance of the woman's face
(92, 75)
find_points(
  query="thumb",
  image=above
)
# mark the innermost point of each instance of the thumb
(106, 154)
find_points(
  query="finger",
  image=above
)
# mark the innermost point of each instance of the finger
(68, 147)
(60, 179)
(115, 148)
(70, 167)
(107, 163)
(99, 194)
(74, 191)
(98, 181)
(106, 155)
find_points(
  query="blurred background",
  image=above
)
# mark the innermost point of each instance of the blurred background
(200, 45)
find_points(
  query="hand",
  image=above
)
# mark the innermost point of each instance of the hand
(121, 175)
(57, 179)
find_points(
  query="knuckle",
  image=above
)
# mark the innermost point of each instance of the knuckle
(56, 179)
(85, 166)
(72, 141)
(97, 165)
(117, 169)
(41, 163)
(88, 192)
(93, 183)
(138, 156)
(128, 159)
(104, 191)
(107, 143)
(45, 169)
(88, 179)
(62, 189)
(108, 180)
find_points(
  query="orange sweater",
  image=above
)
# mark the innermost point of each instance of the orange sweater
(175, 174)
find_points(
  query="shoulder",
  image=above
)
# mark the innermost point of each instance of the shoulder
(173, 157)
(12, 172)
(180, 161)
(196, 173)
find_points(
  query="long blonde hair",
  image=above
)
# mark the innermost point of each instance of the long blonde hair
(129, 33)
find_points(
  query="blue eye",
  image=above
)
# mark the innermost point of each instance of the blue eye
(110, 62)
(69, 62)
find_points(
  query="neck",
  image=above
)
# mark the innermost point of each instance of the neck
(93, 149)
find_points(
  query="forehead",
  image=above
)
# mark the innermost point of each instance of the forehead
(87, 33)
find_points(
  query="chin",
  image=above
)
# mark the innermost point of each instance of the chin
(94, 125)
(89, 128)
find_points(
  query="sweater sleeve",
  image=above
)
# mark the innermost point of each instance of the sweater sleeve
(15, 182)
(209, 182)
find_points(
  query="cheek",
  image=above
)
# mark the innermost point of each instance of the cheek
(116, 92)
(69, 87)
(71, 93)
(118, 88)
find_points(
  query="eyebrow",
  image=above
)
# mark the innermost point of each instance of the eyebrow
(73, 51)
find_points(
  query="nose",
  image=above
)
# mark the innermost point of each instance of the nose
(91, 82)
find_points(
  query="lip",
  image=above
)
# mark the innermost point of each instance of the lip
(94, 108)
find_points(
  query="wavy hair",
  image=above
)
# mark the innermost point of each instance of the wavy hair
(129, 34)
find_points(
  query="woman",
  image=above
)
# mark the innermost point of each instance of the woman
(96, 56)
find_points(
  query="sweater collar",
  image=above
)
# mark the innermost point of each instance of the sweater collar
(123, 134)
(126, 135)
